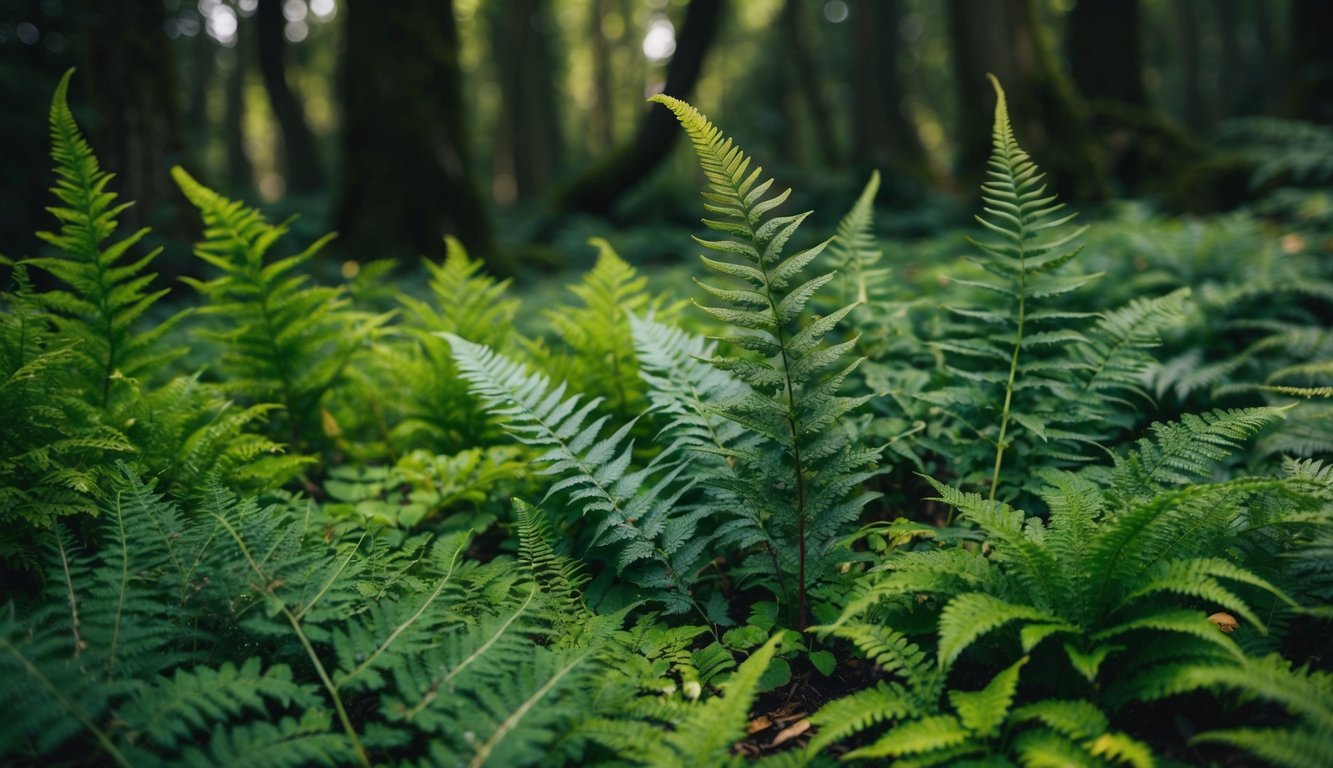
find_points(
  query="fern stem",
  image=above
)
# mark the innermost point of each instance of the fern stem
(1009, 386)
(401, 628)
(268, 589)
(84, 183)
(511, 722)
(70, 706)
(124, 583)
(73, 601)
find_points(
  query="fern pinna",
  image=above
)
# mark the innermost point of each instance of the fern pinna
(288, 341)
(803, 477)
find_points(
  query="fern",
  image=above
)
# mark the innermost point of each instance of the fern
(597, 349)
(435, 407)
(104, 295)
(803, 476)
(701, 733)
(53, 448)
(853, 248)
(1119, 580)
(636, 507)
(291, 341)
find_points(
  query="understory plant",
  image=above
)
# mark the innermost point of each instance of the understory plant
(451, 530)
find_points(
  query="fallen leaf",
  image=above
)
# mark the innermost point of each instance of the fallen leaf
(790, 732)
(1224, 621)
(758, 724)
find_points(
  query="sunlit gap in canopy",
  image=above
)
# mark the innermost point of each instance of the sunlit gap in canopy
(221, 19)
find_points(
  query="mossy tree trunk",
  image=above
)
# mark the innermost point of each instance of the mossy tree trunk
(883, 135)
(407, 173)
(1003, 37)
(597, 189)
(303, 170)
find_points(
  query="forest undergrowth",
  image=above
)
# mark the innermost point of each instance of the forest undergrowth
(1064, 501)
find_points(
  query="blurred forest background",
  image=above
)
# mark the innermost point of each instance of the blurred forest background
(521, 127)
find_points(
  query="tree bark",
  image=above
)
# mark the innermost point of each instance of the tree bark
(601, 122)
(301, 155)
(1310, 62)
(884, 136)
(597, 189)
(240, 176)
(1003, 37)
(138, 134)
(529, 131)
(407, 174)
(804, 70)
(1104, 50)
(1187, 36)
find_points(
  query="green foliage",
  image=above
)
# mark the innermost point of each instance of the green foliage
(284, 340)
(636, 508)
(1117, 580)
(802, 473)
(434, 407)
(104, 295)
(1163, 595)
(53, 450)
(598, 351)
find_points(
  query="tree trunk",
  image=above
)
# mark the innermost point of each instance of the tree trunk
(1310, 62)
(1003, 37)
(138, 134)
(883, 135)
(601, 122)
(303, 171)
(240, 176)
(1187, 36)
(1104, 50)
(597, 189)
(407, 174)
(804, 71)
(529, 145)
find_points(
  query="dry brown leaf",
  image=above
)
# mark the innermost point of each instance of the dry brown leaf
(790, 732)
(1224, 621)
(758, 724)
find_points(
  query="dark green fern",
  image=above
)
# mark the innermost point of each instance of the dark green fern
(804, 476)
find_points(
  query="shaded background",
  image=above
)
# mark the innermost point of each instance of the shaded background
(519, 125)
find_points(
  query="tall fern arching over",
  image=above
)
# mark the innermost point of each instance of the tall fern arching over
(106, 291)
(806, 474)
(284, 340)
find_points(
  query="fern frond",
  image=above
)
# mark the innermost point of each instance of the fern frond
(1027, 244)
(175, 708)
(288, 341)
(596, 331)
(54, 451)
(983, 712)
(103, 298)
(969, 616)
(636, 508)
(1186, 451)
(852, 251)
(797, 374)
(860, 711)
